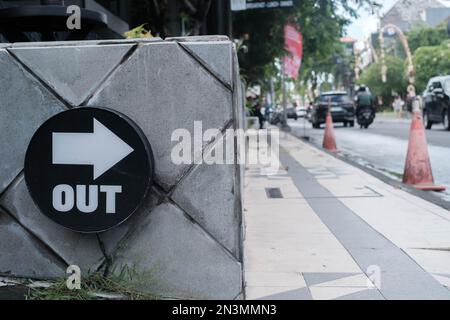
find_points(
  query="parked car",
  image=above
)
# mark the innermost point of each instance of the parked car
(301, 112)
(437, 102)
(341, 107)
(308, 112)
(291, 113)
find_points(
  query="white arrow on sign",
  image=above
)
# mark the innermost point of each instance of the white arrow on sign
(102, 149)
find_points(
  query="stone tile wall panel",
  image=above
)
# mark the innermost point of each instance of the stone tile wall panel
(191, 243)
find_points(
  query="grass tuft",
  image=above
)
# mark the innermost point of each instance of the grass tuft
(93, 287)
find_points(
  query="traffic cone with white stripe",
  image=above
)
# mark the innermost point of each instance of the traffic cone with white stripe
(418, 167)
(329, 141)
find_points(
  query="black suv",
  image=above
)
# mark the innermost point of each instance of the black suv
(436, 102)
(341, 105)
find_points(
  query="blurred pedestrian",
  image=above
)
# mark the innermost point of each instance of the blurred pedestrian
(398, 106)
(267, 110)
(410, 98)
(257, 112)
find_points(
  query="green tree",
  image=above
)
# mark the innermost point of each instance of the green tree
(396, 81)
(423, 36)
(321, 22)
(430, 62)
(337, 63)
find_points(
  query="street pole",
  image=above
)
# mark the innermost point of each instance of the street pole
(304, 137)
(284, 124)
(272, 93)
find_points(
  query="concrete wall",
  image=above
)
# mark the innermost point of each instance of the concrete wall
(186, 240)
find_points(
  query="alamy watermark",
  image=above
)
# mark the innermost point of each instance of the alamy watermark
(74, 20)
(73, 281)
(232, 146)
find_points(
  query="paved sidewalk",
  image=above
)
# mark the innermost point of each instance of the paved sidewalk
(339, 233)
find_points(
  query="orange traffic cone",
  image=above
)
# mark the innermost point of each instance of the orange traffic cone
(329, 142)
(418, 167)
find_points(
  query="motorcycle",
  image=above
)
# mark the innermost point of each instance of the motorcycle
(365, 116)
(276, 118)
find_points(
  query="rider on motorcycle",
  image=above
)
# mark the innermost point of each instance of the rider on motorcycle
(364, 103)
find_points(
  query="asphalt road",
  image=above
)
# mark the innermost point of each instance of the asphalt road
(384, 145)
(437, 136)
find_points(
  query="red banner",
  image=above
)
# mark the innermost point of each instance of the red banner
(293, 42)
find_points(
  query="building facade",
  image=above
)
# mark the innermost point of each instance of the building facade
(405, 14)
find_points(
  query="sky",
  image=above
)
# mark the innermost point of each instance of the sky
(362, 27)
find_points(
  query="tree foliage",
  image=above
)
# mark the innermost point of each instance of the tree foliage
(157, 15)
(423, 36)
(261, 33)
(321, 22)
(396, 81)
(430, 62)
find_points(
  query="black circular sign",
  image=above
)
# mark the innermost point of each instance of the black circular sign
(88, 169)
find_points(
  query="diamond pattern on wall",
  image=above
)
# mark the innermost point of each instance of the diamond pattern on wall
(73, 72)
(217, 58)
(24, 105)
